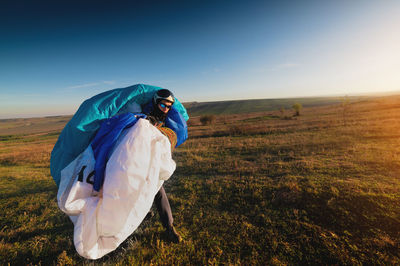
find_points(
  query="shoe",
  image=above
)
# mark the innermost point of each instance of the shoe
(172, 235)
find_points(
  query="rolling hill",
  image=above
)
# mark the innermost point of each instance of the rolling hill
(57, 123)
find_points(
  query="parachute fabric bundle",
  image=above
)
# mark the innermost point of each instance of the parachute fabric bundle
(138, 166)
(105, 140)
(130, 155)
(80, 130)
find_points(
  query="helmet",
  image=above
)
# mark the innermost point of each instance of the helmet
(163, 94)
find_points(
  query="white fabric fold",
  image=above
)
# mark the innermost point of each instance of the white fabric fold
(140, 162)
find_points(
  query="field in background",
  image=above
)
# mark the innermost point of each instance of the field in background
(57, 123)
(21, 126)
(261, 105)
(258, 188)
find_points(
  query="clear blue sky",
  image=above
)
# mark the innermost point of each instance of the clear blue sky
(55, 54)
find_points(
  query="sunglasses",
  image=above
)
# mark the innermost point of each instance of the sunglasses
(165, 106)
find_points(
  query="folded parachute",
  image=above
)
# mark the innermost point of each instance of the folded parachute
(138, 163)
(81, 129)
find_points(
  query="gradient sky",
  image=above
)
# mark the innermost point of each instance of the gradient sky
(54, 55)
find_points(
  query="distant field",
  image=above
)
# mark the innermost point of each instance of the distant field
(254, 188)
(19, 126)
(57, 123)
(261, 105)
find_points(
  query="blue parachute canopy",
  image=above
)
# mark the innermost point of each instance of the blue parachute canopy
(81, 129)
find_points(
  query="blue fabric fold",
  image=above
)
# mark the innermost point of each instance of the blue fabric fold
(177, 123)
(105, 140)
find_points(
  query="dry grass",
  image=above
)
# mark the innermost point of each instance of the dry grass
(320, 188)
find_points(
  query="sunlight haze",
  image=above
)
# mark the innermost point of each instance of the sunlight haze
(55, 55)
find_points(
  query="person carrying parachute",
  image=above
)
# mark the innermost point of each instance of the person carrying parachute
(111, 160)
(157, 111)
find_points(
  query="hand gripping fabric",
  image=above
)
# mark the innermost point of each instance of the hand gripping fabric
(81, 129)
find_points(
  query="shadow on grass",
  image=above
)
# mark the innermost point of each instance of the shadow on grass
(66, 228)
(26, 187)
(8, 162)
(24, 192)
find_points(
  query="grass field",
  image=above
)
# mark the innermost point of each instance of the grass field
(247, 106)
(257, 188)
(18, 126)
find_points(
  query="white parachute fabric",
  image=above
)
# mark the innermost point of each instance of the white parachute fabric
(140, 162)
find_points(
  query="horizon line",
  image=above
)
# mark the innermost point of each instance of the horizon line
(367, 94)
